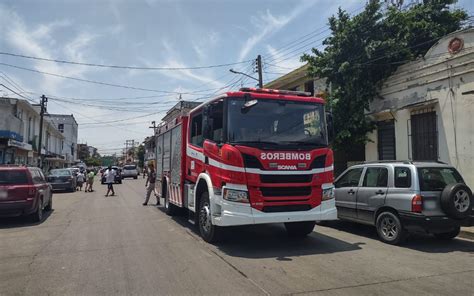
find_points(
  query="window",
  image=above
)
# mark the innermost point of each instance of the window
(375, 177)
(216, 122)
(402, 177)
(350, 179)
(61, 127)
(196, 130)
(309, 87)
(386, 140)
(435, 179)
(13, 177)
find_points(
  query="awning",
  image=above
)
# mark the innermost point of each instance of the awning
(20, 145)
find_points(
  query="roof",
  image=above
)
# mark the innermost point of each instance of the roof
(288, 78)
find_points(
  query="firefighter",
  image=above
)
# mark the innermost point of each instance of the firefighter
(150, 184)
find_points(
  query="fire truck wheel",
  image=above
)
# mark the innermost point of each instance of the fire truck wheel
(210, 233)
(299, 229)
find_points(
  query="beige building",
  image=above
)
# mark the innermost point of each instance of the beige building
(425, 110)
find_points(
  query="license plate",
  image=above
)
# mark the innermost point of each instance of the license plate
(429, 205)
(3, 194)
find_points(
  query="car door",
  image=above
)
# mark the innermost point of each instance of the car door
(345, 191)
(47, 187)
(372, 192)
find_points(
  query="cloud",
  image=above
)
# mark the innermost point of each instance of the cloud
(275, 56)
(40, 40)
(269, 24)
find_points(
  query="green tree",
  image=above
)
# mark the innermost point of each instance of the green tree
(363, 50)
(93, 161)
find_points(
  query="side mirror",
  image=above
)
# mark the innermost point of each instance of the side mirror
(330, 126)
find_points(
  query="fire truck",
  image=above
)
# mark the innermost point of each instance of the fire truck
(246, 157)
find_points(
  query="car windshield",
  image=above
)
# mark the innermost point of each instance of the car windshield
(60, 172)
(278, 122)
(10, 177)
(129, 167)
(435, 179)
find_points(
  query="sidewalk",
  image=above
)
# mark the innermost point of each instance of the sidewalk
(467, 232)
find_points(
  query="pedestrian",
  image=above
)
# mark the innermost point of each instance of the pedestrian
(110, 180)
(150, 185)
(80, 181)
(144, 172)
(90, 179)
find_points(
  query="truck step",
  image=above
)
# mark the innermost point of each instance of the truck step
(191, 217)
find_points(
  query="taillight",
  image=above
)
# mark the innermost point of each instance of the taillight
(417, 204)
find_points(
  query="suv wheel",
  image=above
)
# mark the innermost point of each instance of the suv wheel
(456, 200)
(390, 229)
(37, 216)
(448, 235)
(49, 206)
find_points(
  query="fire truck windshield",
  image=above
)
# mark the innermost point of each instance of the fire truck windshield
(276, 122)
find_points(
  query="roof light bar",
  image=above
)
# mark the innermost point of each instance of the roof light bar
(275, 91)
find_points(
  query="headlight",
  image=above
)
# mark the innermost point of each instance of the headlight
(236, 195)
(328, 193)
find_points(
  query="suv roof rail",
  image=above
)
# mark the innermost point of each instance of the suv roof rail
(276, 91)
(388, 161)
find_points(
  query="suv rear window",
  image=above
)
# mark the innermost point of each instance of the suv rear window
(13, 177)
(435, 179)
(129, 167)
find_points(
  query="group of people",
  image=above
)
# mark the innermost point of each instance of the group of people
(110, 174)
(88, 177)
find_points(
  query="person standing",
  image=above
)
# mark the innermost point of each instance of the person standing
(110, 180)
(80, 180)
(150, 185)
(90, 179)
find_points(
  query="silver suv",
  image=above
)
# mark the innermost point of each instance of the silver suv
(402, 197)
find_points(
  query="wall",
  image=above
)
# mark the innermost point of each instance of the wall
(442, 82)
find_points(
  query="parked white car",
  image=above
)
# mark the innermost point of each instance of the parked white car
(129, 171)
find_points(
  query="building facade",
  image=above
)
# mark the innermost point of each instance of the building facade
(67, 125)
(424, 111)
(19, 129)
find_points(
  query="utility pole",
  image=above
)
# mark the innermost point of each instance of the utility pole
(259, 70)
(153, 127)
(44, 100)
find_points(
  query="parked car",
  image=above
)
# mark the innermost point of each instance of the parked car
(62, 179)
(118, 175)
(24, 191)
(129, 171)
(402, 197)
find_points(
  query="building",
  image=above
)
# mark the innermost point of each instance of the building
(67, 125)
(424, 111)
(150, 150)
(92, 151)
(19, 130)
(19, 135)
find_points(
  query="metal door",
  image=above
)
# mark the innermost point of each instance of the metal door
(424, 136)
(346, 190)
(386, 140)
(372, 193)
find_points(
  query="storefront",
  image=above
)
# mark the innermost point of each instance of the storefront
(13, 150)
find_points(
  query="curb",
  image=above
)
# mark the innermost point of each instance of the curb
(466, 234)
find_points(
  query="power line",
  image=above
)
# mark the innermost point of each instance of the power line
(14, 92)
(121, 67)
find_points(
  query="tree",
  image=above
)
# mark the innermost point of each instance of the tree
(141, 155)
(362, 51)
(93, 162)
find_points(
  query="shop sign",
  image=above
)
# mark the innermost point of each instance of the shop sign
(18, 144)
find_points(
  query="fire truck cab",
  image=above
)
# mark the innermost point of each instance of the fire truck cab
(247, 157)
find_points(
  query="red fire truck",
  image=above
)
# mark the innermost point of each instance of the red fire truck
(247, 157)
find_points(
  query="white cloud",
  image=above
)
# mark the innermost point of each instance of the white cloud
(39, 40)
(268, 24)
(276, 56)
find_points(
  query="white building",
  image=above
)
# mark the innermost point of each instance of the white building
(425, 110)
(67, 125)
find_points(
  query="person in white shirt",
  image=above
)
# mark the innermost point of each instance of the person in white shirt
(80, 180)
(110, 180)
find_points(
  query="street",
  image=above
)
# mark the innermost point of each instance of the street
(91, 244)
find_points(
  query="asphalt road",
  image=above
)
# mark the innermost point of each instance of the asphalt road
(93, 245)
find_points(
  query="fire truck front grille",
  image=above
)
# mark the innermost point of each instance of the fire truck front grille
(285, 191)
(286, 178)
(289, 208)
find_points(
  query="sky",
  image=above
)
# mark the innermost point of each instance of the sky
(121, 103)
